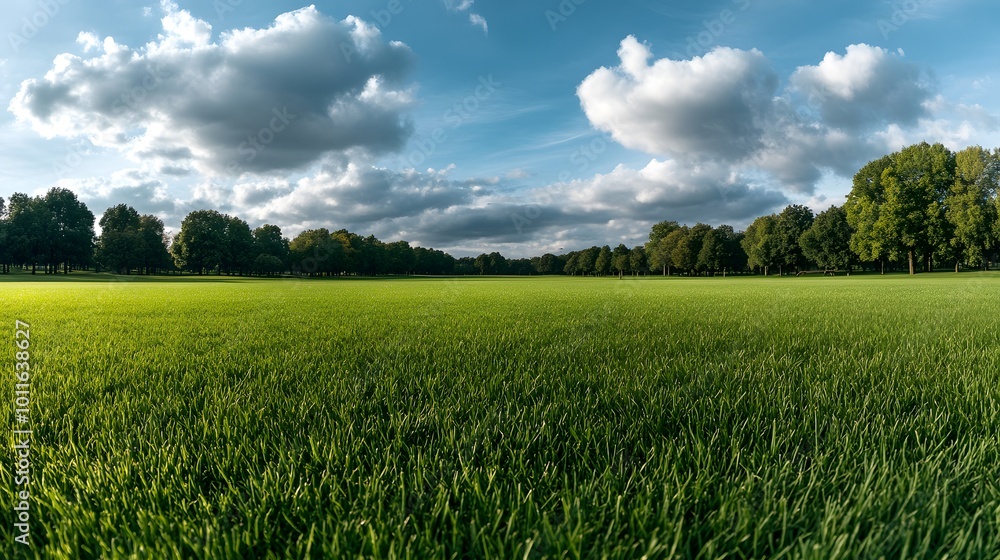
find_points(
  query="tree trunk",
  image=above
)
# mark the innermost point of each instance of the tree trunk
(956, 266)
(912, 269)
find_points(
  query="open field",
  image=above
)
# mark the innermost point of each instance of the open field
(510, 418)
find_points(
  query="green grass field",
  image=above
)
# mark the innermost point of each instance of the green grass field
(509, 418)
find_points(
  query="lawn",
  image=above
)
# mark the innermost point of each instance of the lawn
(508, 417)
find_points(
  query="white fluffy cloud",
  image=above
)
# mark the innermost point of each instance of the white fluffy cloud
(728, 108)
(256, 100)
(716, 105)
(864, 89)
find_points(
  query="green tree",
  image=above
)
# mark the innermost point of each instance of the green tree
(620, 259)
(154, 255)
(201, 244)
(602, 265)
(792, 222)
(120, 245)
(688, 248)
(268, 265)
(401, 257)
(668, 245)
(969, 207)
(637, 260)
(864, 209)
(913, 213)
(761, 244)
(827, 242)
(317, 252)
(269, 241)
(720, 250)
(27, 221)
(70, 230)
(237, 256)
(498, 264)
(571, 265)
(587, 261)
(657, 251)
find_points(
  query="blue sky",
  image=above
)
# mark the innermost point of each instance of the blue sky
(523, 126)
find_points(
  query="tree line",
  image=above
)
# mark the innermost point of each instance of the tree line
(914, 209)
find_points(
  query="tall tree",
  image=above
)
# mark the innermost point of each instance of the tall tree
(720, 250)
(120, 245)
(27, 221)
(760, 243)
(498, 263)
(657, 251)
(827, 242)
(571, 265)
(969, 207)
(401, 257)
(792, 222)
(237, 256)
(602, 265)
(154, 255)
(915, 186)
(269, 242)
(587, 261)
(864, 210)
(71, 228)
(668, 245)
(685, 254)
(201, 244)
(637, 260)
(620, 259)
(317, 252)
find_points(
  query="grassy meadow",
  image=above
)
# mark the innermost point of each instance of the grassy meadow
(509, 417)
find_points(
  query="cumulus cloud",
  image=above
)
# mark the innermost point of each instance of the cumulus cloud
(256, 100)
(728, 107)
(716, 105)
(867, 88)
(89, 41)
